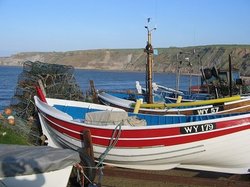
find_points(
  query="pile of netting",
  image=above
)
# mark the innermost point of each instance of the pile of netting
(58, 81)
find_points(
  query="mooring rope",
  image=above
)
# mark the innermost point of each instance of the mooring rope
(113, 141)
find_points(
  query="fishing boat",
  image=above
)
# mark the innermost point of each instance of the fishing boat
(150, 142)
(221, 82)
(36, 166)
(216, 106)
(170, 95)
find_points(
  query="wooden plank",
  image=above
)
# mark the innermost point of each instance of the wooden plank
(195, 103)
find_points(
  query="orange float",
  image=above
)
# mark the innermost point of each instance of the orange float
(8, 111)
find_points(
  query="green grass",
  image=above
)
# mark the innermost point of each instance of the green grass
(9, 136)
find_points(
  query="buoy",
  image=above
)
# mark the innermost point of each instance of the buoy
(7, 111)
(11, 120)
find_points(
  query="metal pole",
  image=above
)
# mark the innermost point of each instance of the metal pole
(178, 72)
(230, 75)
(178, 76)
(190, 78)
(177, 69)
(198, 79)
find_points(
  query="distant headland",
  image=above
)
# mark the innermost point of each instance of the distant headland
(165, 59)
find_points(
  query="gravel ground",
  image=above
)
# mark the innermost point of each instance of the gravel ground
(185, 176)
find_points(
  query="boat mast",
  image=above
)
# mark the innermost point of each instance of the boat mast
(230, 76)
(149, 66)
(178, 72)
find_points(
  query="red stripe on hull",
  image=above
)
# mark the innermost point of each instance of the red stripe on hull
(161, 136)
(141, 133)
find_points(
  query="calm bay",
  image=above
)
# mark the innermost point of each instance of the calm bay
(103, 80)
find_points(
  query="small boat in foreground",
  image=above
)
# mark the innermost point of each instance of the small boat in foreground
(153, 142)
(36, 166)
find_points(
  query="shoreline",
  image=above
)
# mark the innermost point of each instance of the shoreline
(120, 70)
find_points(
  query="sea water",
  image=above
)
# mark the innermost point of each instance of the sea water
(103, 80)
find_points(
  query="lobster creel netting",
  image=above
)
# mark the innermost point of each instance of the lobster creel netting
(58, 81)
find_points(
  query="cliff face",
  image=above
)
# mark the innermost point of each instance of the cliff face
(168, 59)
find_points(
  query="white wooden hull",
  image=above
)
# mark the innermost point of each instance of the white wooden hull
(204, 155)
(221, 149)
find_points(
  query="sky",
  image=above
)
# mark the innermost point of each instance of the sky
(67, 25)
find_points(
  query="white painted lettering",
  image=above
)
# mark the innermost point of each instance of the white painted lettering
(196, 128)
(206, 110)
(200, 112)
(188, 129)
